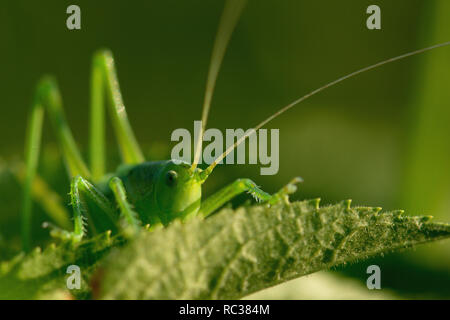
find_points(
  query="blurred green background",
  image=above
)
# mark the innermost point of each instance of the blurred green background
(381, 139)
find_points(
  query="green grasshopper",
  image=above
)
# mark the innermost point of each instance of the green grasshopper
(139, 193)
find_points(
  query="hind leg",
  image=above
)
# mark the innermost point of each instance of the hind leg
(47, 98)
(104, 84)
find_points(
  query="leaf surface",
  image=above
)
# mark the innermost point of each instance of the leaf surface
(235, 253)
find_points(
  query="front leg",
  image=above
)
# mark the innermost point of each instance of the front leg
(80, 191)
(283, 194)
(130, 221)
(239, 186)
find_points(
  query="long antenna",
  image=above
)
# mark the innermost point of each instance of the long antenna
(230, 16)
(295, 102)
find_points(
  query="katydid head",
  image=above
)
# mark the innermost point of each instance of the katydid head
(178, 191)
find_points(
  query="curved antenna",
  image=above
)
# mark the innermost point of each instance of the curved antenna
(208, 170)
(230, 16)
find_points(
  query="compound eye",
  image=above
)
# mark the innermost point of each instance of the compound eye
(171, 178)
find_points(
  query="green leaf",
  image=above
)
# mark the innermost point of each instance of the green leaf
(42, 274)
(235, 253)
(230, 255)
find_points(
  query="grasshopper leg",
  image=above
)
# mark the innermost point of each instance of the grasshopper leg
(80, 191)
(131, 222)
(47, 98)
(283, 194)
(45, 196)
(239, 186)
(104, 81)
